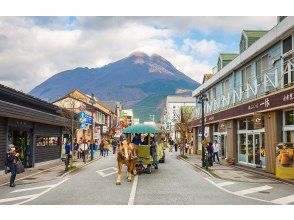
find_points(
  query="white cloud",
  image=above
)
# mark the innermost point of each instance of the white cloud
(203, 48)
(31, 52)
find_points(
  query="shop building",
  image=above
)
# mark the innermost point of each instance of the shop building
(34, 126)
(250, 107)
(98, 118)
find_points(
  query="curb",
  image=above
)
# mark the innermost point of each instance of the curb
(85, 164)
(198, 167)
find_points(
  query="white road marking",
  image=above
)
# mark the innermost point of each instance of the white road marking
(133, 191)
(247, 197)
(284, 200)
(16, 198)
(33, 188)
(42, 193)
(225, 183)
(253, 190)
(101, 172)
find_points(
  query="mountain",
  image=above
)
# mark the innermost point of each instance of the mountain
(135, 80)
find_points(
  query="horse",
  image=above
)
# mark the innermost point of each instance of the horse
(126, 155)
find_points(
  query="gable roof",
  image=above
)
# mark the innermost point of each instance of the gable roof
(228, 56)
(255, 33)
(206, 77)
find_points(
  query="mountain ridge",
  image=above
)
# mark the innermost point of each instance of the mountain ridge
(131, 80)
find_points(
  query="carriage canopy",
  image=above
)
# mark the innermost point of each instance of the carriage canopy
(142, 128)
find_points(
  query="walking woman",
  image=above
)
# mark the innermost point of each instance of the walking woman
(11, 160)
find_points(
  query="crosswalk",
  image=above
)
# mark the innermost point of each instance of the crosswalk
(244, 190)
(23, 199)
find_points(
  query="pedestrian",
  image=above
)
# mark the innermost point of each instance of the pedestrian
(176, 146)
(153, 152)
(171, 144)
(76, 149)
(67, 152)
(186, 146)
(11, 159)
(83, 149)
(210, 153)
(216, 151)
(96, 144)
(114, 144)
(105, 147)
(101, 148)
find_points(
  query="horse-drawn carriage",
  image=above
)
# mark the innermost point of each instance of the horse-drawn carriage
(144, 159)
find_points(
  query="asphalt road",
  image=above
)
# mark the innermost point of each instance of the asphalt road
(174, 183)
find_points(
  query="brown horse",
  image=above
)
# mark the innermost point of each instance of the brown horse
(126, 155)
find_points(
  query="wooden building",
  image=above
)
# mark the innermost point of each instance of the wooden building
(34, 126)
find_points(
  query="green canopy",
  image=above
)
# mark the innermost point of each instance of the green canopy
(142, 128)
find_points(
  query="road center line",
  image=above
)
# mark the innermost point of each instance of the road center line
(133, 191)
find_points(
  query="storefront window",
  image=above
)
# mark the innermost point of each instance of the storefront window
(250, 123)
(289, 136)
(215, 127)
(250, 148)
(47, 141)
(289, 117)
(242, 124)
(242, 147)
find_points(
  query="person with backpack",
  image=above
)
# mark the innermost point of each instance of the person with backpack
(11, 163)
(114, 144)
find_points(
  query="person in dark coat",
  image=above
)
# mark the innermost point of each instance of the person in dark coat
(210, 153)
(11, 160)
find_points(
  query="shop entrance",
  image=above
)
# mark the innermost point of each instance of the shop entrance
(256, 149)
(221, 138)
(22, 140)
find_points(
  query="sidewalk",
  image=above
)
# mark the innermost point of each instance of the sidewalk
(237, 172)
(48, 171)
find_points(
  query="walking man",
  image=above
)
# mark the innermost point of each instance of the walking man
(215, 151)
(114, 144)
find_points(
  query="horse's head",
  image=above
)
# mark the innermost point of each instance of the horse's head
(126, 150)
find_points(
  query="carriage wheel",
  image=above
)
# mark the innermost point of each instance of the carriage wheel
(148, 169)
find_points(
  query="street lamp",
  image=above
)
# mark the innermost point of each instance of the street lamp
(202, 98)
(92, 100)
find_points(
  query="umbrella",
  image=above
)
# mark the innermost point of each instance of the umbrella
(142, 128)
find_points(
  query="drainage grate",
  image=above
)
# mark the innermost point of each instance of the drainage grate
(265, 192)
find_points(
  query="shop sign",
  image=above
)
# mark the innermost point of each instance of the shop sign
(222, 126)
(84, 118)
(258, 120)
(272, 101)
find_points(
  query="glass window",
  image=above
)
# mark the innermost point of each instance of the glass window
(242, 124)
(258, 72)
(289, 117)
(289, 136)
(215, 127)
(287, 44)
(242, 147)
(47, 141)
(250, 123)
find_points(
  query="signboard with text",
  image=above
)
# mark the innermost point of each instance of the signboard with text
(272, 101)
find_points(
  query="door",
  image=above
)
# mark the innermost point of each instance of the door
(250, 148)
(257, 148)
(223, 145)
(22, 140)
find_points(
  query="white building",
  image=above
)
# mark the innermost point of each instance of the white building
(173, 111)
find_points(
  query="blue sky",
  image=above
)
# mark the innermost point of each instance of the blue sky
(44, 46)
